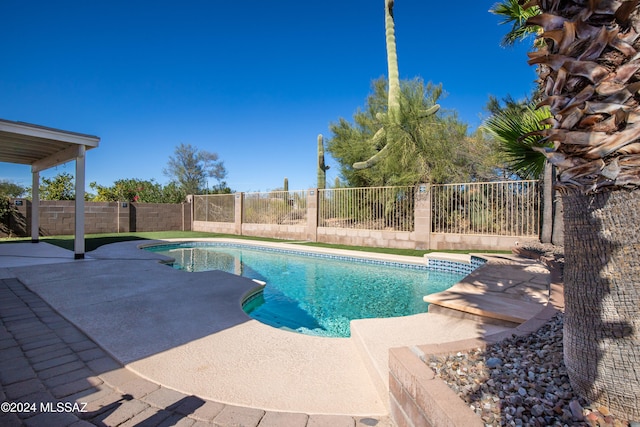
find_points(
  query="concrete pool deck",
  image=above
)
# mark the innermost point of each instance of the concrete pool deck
(187, 333)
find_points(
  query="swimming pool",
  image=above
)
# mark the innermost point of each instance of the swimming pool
(312, 293)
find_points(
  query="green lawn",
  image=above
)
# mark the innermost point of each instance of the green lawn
(93, 241)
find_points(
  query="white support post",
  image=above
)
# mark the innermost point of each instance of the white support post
(35, 207)
(79, 214)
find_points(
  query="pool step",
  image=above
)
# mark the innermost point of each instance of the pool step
(491, 308)
(505, 289)
(463, 313)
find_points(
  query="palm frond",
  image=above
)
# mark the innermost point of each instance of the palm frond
(512, 129)
(515, 15)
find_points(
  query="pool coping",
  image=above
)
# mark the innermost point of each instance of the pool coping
(439, 261)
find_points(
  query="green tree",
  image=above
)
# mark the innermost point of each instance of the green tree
(591, 87)
(60, 187)
(11, 189)
(131, 190)
(437, 150)
(8, 190)
(191, 167)
(138, 190)
(481, 159)
(173, 193)
(512, 123)
(220, 188)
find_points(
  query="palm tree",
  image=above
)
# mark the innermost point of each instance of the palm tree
(590, 83)
(515, 14)
(512, 127)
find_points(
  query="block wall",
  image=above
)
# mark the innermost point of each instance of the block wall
(57, 217)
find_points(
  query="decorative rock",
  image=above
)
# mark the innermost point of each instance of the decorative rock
(537, 410)
(576, 410)
(592, 416)
(493, 362)
(521, 381)
(515, 400)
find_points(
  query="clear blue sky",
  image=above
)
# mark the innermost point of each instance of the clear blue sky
(252, 80)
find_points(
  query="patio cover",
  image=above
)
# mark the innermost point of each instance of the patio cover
(43, 148)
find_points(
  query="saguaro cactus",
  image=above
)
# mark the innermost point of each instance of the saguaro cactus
(322, 168)
(392, 59)
(391, 120)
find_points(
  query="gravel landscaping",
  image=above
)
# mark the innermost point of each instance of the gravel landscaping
(522, 381)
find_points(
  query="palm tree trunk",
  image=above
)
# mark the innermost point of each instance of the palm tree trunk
(552, 230)
(602, 323)
(547, 204)
(557, 234)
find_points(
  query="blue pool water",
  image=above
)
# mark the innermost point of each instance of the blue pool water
(316, 295)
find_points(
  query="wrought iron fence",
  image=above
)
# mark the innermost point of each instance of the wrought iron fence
(214, 208)
(275, 207)
(371, 208)
(506, 208)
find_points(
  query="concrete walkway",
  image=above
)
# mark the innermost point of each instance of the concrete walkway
(46, 361)
(190, 353)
